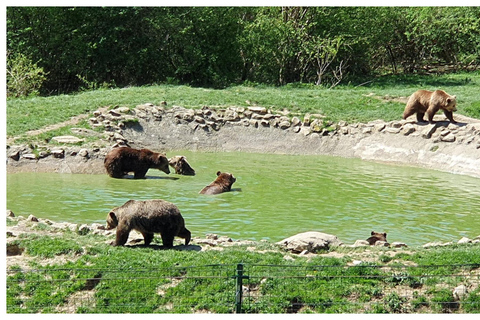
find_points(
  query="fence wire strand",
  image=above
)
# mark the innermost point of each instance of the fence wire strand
(258, 289)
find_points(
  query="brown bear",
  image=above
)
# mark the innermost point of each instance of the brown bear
(181, 166)
(223, 183)
(376, 236)
(121, 161)
(148, 217)
(429, 102)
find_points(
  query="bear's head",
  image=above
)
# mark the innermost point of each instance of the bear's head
(112, 221)
(160, 162)
(181, 166)
(377, 236)
(225, 178)
(451, 103)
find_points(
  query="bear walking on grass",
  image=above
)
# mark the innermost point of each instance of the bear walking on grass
(148, 217)
(223, 183)
(376, 236)
(121, 161)
(429, 102)
(181, 166)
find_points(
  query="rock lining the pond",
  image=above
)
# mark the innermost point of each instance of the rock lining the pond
(303, 244)
(444, 146)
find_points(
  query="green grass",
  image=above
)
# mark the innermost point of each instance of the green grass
(151, 280)
(349, 102)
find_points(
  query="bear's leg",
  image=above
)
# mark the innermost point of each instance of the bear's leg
(147, 237)
(420, 117)
(122, 237)
(140, 174)
(167, 239)
(185, 234)
(449, 115)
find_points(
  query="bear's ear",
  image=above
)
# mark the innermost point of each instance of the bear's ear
(449, 100)
(385, 234)
(372, 233)
(112, 216)
(218, 173)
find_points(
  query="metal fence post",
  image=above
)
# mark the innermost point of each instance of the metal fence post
(239, 290)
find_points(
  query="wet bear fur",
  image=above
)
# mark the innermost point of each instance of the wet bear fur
(148, 217)
(376, 236)
(223, 183)
(120, 161)
(429, 102)
(181, 166)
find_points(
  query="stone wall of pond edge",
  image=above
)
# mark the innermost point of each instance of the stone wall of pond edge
(442, 146)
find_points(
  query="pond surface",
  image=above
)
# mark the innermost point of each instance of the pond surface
(275, 196)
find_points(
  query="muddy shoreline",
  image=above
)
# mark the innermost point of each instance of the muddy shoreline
(443, 146)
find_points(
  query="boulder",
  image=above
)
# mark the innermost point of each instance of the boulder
(67, 139)
(311, 241)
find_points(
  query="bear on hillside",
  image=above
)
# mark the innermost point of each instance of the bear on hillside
(181, 166)
(376, 236)
(223, 183)
(429, 102)
(148, 217)
(121, 161)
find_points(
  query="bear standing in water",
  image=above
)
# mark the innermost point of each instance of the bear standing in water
(120, 161)
(429, 102)
(223, 183)
(148, 217)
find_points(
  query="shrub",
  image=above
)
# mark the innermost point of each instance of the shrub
(24, 77)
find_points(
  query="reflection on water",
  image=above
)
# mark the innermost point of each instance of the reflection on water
(276, 196)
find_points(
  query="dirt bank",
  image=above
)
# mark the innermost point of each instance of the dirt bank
(442, 146)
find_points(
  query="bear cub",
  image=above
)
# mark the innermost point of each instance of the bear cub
(120, 161)
(429, 102)
(181, 166)
(376, 236)
(148, 217)
(223, 183)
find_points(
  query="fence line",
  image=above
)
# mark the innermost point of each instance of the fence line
(250, 288)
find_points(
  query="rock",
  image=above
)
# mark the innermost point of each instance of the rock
(32, 218)
(436, 244)
(360, 243)
(29, 156)
(284, 125)
(67, 139)
(13, 249)
(83, 153)
(408, 129)
(459, 292)
(448, 138)
(123, 110)
(58, 153)
(258, 110)
(392, 130)
(428, 131)
(296, 121)
(312, 241)
(464, 240)
(382, 244)
(398, 245)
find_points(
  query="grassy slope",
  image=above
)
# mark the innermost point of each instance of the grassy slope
(345, 102)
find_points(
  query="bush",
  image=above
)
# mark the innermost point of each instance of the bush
(24, 77)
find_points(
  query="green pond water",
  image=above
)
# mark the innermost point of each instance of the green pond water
(275, 196)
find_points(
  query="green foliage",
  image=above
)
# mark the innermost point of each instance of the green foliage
(100, 47)
(24, 77)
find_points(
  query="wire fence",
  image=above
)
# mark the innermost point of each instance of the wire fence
(247, 288)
